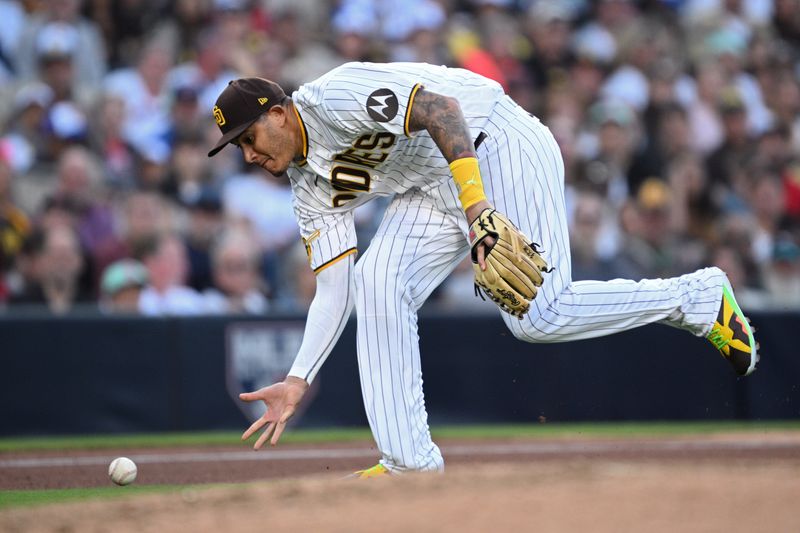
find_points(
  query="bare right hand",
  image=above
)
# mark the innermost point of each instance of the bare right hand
(483, 248)
(281, 400)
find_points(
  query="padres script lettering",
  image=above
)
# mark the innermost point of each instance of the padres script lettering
(369, 150)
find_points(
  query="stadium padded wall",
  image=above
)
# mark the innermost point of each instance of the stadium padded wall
(98, 374)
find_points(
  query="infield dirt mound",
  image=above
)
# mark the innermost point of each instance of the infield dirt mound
(584, 494)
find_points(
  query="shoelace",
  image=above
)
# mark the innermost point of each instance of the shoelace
(718, 338)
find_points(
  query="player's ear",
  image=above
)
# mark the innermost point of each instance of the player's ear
(278, 115)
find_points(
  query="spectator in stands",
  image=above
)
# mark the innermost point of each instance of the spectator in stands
(651, 248)
(305, 57)
(56, 48)
(126, 24)
(785, 105)
(14, 225)
(782, 273)
(121, 287)
(425, 40)
(79, 183)
(164, 256)
(263, 203)
(548, 28)
(728, 47)
(501, 35)
(147, 96)
(12, 22)
(640, 46)
(66, 114)
(210, 71)
(28, 120)
(353, 29)
(694, 212)
(187, 174)
(595, 52)
(738, 230)
(588, 258)
(143, 215)
(237, 284)
(206, 221)
(57, 264)
(68, 28)
(787, 22)
(470, 53)
(187, 19)
(117, 157)
(765, 199)
(610, 141)
(565, 130)
(668, 141)
(188, 118)
(705, 121)
(736, 148)
(300, 280)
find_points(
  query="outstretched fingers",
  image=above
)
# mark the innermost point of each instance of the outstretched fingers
(287, 414)
(255, 426)
(249, 396)
(264, 436)
(279, 427)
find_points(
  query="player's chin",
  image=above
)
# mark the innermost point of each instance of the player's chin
(275, 170)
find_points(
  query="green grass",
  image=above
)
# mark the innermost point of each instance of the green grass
(313, 436)
(170, 440)
(612, 429)
(16, 498)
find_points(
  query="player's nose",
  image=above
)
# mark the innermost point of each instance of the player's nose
(249, 154)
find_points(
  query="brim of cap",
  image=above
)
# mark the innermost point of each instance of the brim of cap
(228, 137)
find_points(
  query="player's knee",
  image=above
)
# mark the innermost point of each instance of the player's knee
(523, 335)
(358, 275)
(530, 331)
(369, 280)
(365, 278)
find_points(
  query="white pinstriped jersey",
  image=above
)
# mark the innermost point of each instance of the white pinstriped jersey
(358, 145)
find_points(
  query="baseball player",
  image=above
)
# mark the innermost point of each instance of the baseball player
(469, 171)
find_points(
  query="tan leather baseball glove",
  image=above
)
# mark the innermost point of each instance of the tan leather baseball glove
(514, 266)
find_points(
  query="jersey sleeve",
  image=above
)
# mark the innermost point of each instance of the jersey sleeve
(369, 96)
(328, 237)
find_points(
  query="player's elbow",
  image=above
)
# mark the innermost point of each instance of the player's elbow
(335, 286)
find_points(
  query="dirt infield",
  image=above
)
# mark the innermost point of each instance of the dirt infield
(731, 482)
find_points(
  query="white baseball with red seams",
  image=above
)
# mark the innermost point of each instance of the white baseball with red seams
(122, 471)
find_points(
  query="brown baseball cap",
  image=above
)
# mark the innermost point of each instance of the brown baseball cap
(240, 104)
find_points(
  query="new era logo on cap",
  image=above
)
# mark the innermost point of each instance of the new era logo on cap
(240, 104)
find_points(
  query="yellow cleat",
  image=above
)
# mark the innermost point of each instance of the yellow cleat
(732, 335)
(376, 471)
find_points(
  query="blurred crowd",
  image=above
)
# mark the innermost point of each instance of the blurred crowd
(678, 121)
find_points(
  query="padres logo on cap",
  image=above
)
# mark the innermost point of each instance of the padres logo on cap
(218, 116)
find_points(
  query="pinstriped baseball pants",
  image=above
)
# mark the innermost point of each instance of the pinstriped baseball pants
(423, 237)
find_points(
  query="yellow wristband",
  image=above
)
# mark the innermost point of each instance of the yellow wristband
(467, 176)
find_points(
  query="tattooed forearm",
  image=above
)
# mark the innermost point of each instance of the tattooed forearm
(442, 117)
